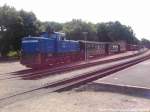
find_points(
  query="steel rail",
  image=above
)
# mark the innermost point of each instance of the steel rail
(75, 81)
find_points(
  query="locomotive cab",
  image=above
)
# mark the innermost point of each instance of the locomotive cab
(54, 35)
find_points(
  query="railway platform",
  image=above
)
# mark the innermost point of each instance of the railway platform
(134, 79)
(109, 57)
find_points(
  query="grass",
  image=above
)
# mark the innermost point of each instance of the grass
(13, 54)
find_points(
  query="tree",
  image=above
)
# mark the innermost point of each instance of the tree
(75, 29)
(115, 31)
(53, 25)
(145, 42)
(13, 26)
(102, 32)
(30, 23)
(9, 21)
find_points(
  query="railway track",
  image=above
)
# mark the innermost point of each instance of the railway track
(67, 68)
(74, 81)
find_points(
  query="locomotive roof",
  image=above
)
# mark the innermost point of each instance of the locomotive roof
(99, 42)
(94, 42)
(34, 38)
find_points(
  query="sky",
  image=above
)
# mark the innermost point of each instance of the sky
(134, 13)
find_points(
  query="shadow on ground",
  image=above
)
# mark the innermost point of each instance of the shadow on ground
(127, 90)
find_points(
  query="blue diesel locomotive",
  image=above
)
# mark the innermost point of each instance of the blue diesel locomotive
(53, 49)
(47, 49)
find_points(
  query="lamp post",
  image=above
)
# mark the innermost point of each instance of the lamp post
(85, 49)
(132, 44)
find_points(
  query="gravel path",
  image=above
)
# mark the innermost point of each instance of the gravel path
(9, 67)
(85, 101)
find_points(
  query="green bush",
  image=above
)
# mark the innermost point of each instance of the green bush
(13, 54)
